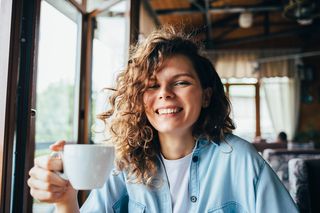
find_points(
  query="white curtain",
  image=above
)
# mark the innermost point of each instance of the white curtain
(243, 63)
(279, 78)
(283, 98)
(276, 64)
(235, 64)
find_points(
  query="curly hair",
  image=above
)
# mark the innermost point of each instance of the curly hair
(135, 140)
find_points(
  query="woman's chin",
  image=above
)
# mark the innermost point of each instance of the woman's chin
(172, 130)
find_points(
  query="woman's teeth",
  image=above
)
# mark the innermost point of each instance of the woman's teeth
(168, 111)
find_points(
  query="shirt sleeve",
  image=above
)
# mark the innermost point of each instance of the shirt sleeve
(112, 197)
(271, 195)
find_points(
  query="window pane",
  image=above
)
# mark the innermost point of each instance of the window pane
(242, 80)
(243, 110)
(267, 129)
(279, 105)
(121, 6)
(57, 83)
(110, 52)
(224, 80)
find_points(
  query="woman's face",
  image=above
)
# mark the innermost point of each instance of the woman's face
(174, 98)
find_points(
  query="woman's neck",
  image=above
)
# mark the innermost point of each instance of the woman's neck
(177, 146)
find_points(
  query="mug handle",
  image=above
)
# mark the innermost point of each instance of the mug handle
(59, 155)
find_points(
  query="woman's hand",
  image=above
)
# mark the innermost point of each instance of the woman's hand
(47, 186)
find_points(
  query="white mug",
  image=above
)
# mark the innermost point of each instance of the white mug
(87, 166)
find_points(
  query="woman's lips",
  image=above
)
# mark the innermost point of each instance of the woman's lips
(168, 110)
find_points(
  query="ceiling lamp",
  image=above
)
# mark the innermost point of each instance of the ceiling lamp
(302, 11)
(245, 19)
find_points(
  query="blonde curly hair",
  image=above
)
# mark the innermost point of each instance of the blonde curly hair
(135, 140)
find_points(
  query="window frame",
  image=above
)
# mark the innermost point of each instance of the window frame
(18, 146)
(257, 101)
(19, 142)
(20, 106)
(5, 103)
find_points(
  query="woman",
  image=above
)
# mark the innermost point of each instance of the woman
(172, 133)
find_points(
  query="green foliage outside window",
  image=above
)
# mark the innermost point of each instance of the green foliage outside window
(55, 112)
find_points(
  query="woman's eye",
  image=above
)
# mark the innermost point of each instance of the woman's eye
(153, 86)
(181, 83)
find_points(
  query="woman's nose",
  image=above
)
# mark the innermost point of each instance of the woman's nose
(165, 93)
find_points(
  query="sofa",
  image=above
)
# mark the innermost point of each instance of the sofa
(304, 180)
(279, 158)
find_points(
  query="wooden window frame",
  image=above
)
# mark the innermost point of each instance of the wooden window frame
(19, 132)
(5, 102)
(257, 102)
(20, 116)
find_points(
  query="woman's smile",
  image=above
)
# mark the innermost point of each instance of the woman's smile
(173, 100)
(168, 110)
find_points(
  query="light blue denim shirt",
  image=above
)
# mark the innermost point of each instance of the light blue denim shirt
(229, 176)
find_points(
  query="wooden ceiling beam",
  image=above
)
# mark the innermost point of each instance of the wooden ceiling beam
(203, 7)
(197, 6)
(266, 23)
(224, 33)
(256, 24)
(225, 9)
(208, 19)
(151, 12)
(256, 38)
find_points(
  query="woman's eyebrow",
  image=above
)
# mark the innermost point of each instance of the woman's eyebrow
(152, 79)
(183, 75)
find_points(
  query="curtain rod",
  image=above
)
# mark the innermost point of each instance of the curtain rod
(290, 56)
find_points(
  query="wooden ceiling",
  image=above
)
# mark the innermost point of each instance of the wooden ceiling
(216, 22)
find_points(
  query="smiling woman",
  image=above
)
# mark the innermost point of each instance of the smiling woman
(173, 102)
(171, 128)
(156, 70)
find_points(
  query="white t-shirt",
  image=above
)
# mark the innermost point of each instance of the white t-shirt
(178, 175)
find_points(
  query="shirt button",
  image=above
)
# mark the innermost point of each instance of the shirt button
(193, 199)
(195, 159)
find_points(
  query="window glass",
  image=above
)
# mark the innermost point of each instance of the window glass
(121, 6)
(267, 130)
(242, 98)
(110, 52)
(224, 80)
(243, 80)
(277, 100)
(57, 79)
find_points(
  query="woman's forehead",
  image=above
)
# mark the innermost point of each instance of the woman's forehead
(175, 65)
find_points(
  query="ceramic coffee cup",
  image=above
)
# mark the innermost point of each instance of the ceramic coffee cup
(87, 166)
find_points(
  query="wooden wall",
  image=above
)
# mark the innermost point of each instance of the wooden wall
(310, 110)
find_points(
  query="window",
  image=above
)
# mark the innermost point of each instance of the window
(268, 131)
(250, 112)
(58, 79)
(242, 98)
(60, 109)
(110, 52)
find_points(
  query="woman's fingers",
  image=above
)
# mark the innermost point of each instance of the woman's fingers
(58, 146)
(47, 176)
(45, 186)
(48, 162)
(45, 196)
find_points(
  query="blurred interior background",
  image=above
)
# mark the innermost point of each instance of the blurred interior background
(58, 56)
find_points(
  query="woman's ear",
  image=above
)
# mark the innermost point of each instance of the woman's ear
(207, 93)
